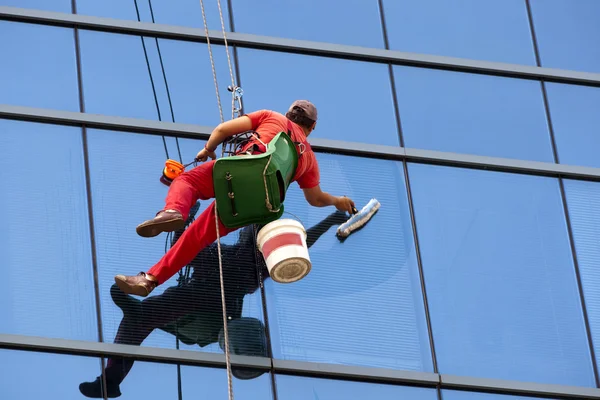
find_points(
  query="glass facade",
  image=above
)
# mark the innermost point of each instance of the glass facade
(474, 268)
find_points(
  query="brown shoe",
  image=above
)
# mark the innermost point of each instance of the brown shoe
(142, 284)
(165, 221)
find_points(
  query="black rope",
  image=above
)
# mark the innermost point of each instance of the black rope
(162, 67)
(137, 11)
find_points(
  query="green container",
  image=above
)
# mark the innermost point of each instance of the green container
(250, 189)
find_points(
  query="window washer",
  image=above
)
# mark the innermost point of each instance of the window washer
(192, 310)
(197, 183)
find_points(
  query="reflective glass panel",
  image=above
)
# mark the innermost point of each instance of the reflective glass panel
(583, 201)
(189, 303)
(38, 67)
(354, 99)
(181, 12)
(45, 250)
(28, 375)
(191, 84)
(116, 80)
(46, 5)
(473, 114)
(115, 9)
(491, 30)
(356, 23)
(501, 285)
(212, 384)
(567, 33)
(361, 304)
(464, 395)
(301, 388)
(575, 119)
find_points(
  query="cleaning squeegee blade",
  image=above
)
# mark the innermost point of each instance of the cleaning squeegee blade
(359, 219)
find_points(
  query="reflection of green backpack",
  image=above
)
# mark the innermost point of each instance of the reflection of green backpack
(250, 189)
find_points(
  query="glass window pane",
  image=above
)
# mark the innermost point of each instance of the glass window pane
(356, 23)
(329, 316)
(121, 88)
(45, 237)
(301, 388)
(583, 201)
(464, 395)
(121, 202)
(492, 30)
(114, 9)
(567, 33)
(189, 13)
(499, 273)
(28, 375)
(191, 84)
(354, 98)
(211, 383)
(137, 380)
(473, 114)
(38, 67)
(575, 119)
(181, 12)
(46, 5)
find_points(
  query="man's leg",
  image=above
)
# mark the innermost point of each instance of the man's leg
(201, 233)
(184, 191)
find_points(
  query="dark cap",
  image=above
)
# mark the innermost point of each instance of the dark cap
(309, 108)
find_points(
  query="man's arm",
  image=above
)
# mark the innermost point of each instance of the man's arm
(318, 198)
(223, 131)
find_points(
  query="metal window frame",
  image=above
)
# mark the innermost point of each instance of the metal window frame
(134, 125)
(294, 368)
(244, 40)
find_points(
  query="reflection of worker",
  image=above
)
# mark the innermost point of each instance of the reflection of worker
(199, 298)
(197, 183)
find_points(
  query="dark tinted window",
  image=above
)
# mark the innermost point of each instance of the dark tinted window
(356, 22)
(45, 235)
(300, 388)
(474, 114)
(583, 201)
(575, 118)
(38, 67)
(330, 316)
(493, 30)
(567, 33)
(354, 99)
(499, 273)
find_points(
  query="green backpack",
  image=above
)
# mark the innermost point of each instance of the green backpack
(250, 189)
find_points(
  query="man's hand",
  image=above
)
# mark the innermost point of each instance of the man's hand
(344, 203)
(204, 154)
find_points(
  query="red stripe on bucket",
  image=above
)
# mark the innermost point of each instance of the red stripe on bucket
(285, 239)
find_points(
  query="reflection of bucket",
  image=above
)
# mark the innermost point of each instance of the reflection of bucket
(283, 245)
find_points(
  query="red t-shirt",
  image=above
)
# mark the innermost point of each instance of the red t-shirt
(268, 124)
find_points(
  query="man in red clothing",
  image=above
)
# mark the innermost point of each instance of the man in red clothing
(186, 189)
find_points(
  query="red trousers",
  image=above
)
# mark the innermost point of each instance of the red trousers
(184, 191)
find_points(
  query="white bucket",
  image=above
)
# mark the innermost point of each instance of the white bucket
(283, 246)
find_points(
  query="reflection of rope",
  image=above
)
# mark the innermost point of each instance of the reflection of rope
(212, 64)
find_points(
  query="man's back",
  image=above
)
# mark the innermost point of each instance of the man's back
(268, 124)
